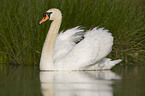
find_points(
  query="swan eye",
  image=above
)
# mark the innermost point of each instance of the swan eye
(48, 13)
(44, 15)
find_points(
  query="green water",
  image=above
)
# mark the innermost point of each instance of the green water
(29, 81)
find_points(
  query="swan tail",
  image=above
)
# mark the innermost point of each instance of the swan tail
(106, 63)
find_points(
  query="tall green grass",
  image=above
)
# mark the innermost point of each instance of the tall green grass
(21, 38)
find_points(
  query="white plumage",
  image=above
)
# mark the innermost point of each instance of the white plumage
(95, 46)
(89, 54)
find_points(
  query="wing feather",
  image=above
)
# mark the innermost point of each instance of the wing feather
(66, 41)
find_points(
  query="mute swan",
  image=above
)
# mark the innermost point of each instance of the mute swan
(62, 53)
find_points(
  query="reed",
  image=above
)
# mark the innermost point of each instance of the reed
(21, 38)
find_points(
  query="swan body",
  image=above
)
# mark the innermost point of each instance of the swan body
(61, 52)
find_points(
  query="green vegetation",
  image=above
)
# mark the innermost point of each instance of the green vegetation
(21, 38)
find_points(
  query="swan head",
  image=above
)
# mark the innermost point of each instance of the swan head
(51, 14)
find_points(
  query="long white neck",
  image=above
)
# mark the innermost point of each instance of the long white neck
(46, 61)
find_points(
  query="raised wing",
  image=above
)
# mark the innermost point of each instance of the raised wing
(96, 45)
(66, 41)
(83, 54)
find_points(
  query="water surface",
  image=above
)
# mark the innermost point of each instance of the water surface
(29, 81)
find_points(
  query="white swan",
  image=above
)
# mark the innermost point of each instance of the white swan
(62, 53)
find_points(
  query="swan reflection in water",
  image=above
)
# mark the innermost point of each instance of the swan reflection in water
(77, 83)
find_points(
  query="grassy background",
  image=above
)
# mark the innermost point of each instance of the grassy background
(21, 38)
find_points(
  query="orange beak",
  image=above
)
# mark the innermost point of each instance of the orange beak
(44, 19)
